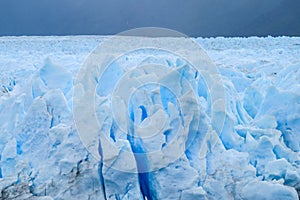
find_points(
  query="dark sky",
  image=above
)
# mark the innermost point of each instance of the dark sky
(204, 18)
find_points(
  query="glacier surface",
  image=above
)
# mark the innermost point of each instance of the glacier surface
(256, 155)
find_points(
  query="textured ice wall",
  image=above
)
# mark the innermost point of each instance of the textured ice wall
(256, 156)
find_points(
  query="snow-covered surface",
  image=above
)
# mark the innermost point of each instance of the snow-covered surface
(257, 155)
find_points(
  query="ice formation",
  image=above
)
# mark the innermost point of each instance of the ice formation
(256, 156)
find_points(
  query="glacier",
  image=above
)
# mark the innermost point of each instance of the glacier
(255, 156)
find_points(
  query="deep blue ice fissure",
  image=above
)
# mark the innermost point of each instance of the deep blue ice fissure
(100, 170)
(141, 160)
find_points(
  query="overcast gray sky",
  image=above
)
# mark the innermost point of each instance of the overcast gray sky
(204, 18)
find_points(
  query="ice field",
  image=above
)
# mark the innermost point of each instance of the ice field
(256, 155)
